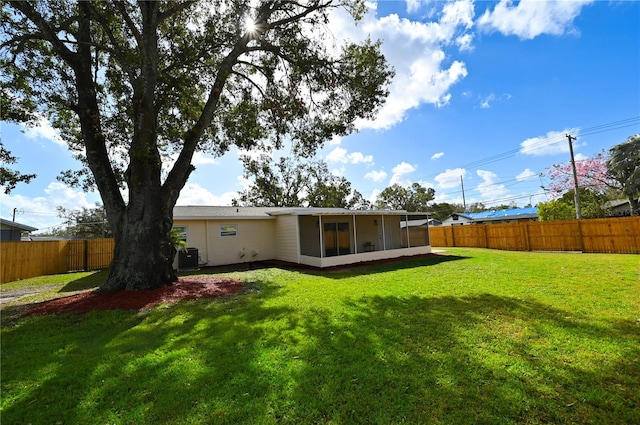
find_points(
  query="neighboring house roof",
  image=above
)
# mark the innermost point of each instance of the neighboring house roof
(510, 213)
(14, 225)
(199, 212)
(495, 215)
(421, 222)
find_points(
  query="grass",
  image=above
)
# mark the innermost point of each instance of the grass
(471, 336)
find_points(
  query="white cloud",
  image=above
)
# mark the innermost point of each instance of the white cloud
(413, 5)
(244, 182)
(488, 188)
(43, 130)
(40, 211)
(437, 155)
(340, 155)
(400, 172)
(376, 176)
(337, 155)
(464, 42)
(374, 196)
(526, 175)
(194, 194)
(528, 19)
(335, 141)
(424, 73)
(486, 102)
(339, 172)
(580, 157)
(201, 159)
(553, 143)
(450, 178)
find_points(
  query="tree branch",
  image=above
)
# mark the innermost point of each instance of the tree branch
(175, 10)
(253, 83)
(47, 32)
(117, 49)
(308, 10)
(130, 24)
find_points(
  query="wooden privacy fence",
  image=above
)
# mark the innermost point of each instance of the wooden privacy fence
(609, 235)
(21, 260)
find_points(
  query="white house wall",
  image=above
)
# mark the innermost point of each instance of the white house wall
(254, 240)
(285, 239)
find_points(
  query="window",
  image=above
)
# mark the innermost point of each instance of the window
(229, 230)
(181, 233)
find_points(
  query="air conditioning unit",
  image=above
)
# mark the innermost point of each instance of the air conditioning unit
(188, 259)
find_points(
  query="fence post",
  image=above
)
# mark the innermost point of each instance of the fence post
(486, 239)
(85, 257)
(526, 236)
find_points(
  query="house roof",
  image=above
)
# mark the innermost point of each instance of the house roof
(500, 214)
(19, 226)
(200, 212)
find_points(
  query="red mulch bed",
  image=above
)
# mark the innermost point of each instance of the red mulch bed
(187, 288)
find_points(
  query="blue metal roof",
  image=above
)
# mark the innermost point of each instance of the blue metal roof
(497, 214)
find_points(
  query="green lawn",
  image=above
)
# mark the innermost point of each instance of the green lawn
(469, 336)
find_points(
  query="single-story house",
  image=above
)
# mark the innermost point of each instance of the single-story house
(318, 237)
(12, 231)
(492, 216)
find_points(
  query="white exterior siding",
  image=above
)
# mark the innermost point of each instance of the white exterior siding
(286, 238)
(254, 240)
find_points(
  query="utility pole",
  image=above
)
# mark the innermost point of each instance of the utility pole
(576, 195)
(464, 203)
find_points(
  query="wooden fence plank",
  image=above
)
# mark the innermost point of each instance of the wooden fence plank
(100, 253)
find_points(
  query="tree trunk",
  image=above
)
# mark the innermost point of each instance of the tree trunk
(143, 255)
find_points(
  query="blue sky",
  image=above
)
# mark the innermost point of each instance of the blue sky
(483, 90)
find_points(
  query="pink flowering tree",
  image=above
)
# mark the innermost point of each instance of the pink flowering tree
(592, 174)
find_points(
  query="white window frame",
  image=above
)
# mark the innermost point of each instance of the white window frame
(228, 230)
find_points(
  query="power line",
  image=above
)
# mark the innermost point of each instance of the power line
(615, 125)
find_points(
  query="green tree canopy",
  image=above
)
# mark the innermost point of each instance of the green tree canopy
(86, 223)
(592, 204)
(135, 85)
(9, 178)
(289, 183)
(443, 210)
(414, 198)
(556, 209)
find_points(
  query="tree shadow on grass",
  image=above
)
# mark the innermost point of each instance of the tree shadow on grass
(478, 359)
(336, 272)
(475, 359)
(92, 281)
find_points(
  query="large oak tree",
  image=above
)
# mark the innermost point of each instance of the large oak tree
(134, 86)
